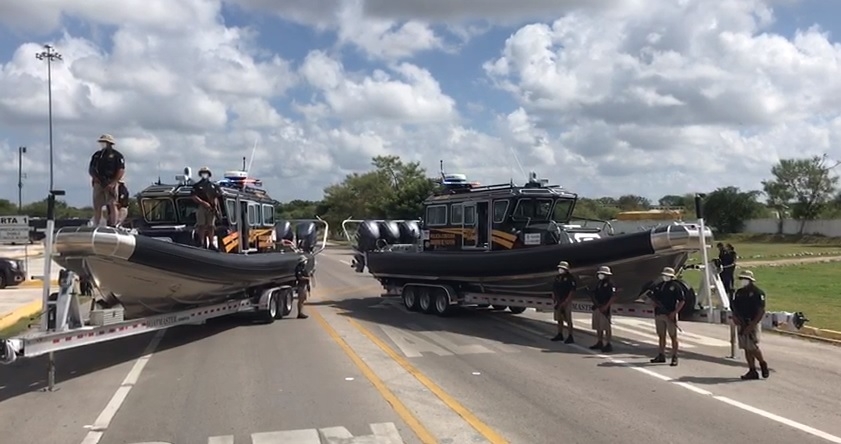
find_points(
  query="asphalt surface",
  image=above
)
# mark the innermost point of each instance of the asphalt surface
(363, 366)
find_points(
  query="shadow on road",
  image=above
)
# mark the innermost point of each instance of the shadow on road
(476, 323)
(28, 375)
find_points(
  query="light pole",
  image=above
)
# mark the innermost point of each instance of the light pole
(21, 152)
(50, 55)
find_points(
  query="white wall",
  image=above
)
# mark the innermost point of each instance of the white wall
(828, 227)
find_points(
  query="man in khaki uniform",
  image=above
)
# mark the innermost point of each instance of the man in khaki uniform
(303, 277)
(563, 290)
(206, 194)
(106, 168)
(604, 296)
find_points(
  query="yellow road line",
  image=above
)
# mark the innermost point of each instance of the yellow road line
(485, 430)
(24, 311)
(423, 434)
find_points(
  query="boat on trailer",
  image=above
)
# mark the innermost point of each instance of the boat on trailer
(507, 240)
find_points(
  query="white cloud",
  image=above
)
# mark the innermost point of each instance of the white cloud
(648, 97)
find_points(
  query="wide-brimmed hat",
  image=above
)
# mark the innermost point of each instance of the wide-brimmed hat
(107, 138)
(563, 265)
(668, 271)
(747, 274)
(605, 270)
(205, 170)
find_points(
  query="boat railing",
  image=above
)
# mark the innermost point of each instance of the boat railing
(589, 224)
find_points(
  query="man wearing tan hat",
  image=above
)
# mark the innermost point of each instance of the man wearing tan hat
(668, 297)
(106, 168)
(563, 290)
(748, 309)
(603, 297)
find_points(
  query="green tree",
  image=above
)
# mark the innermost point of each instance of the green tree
(803, 186)
(726, 209)
(632, 202)
(687, 201)
(595, 208)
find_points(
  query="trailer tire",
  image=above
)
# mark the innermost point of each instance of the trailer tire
(410, 298)
(286, 305)
(272, 310)
(441, 302)
(517, 310)
(498, 307)
(426, 300)
(483, 305)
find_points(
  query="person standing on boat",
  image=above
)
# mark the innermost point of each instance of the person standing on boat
(668, 297)
(727, 262)
(603, 297)
(563, 290)
(748, 310)
(206, 194)
(106, 168)
(302, 277)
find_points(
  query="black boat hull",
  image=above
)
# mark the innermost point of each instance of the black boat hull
(149, 276)
(635, 259)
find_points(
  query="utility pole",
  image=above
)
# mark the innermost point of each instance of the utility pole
(50, 55)
(21, 152)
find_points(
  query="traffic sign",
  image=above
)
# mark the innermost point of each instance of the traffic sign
(14, 229)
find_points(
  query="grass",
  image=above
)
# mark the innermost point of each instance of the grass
(764, 247)
(813, 289)
(16, 328)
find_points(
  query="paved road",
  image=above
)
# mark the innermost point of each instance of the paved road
(362, 366)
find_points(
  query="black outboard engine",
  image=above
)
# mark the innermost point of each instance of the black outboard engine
(306, 234)
(283, 231)
(390, 232)
(367, 235)
(409, 232)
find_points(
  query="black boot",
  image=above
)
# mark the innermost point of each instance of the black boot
(763, 366)
(659, 359)
(569, 340)
(750, 375)
(674, 361)
(597, 346)
(607, 348)
(557, 337)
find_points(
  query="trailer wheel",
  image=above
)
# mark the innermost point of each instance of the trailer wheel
(441, 302)
(498, 307)
(286, 305)
(484, 305)
(517, 310)
(425, 300)
(270, 314)
(410, 298)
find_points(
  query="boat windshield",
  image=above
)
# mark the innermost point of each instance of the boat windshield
(156, 210)
(563, 210)
(187, 210)
(533, 209)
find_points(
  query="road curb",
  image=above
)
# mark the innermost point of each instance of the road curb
(34, 283)
(25, 311)
(807, 336)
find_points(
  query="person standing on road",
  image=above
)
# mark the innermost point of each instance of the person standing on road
(206, 194)
(668, 297)
(106, 168)
(563, 290)
(748, 309)
(727, 261)
(302, 277)
(603, 297)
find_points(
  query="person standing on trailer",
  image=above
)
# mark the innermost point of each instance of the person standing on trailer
(206, 194)
(106, 168)
(563, 290)
(603, 297)
(668, 297)
(748, 309)
(123, 201)
(302, 284)
(727, 261)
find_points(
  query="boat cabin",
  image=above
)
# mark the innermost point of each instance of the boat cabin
(169, 212)
(467, 216)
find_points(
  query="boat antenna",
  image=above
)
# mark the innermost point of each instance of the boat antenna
(441, 168)
(253, 151)
(519, 165)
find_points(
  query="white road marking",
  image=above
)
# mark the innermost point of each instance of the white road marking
(345, 262)
(412, 345)
(468, 349)
(308, 436)
(104, 419)
(227, 439)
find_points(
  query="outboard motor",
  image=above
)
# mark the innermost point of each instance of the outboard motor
(409, 232)
(306, 234)
(283, 230)
(390, 232)
(367, 235)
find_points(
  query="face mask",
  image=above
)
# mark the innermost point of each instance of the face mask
(562, 271)
(745, 282)
(103, 145)
(600, 276)
(205, 176)
(667, 278)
